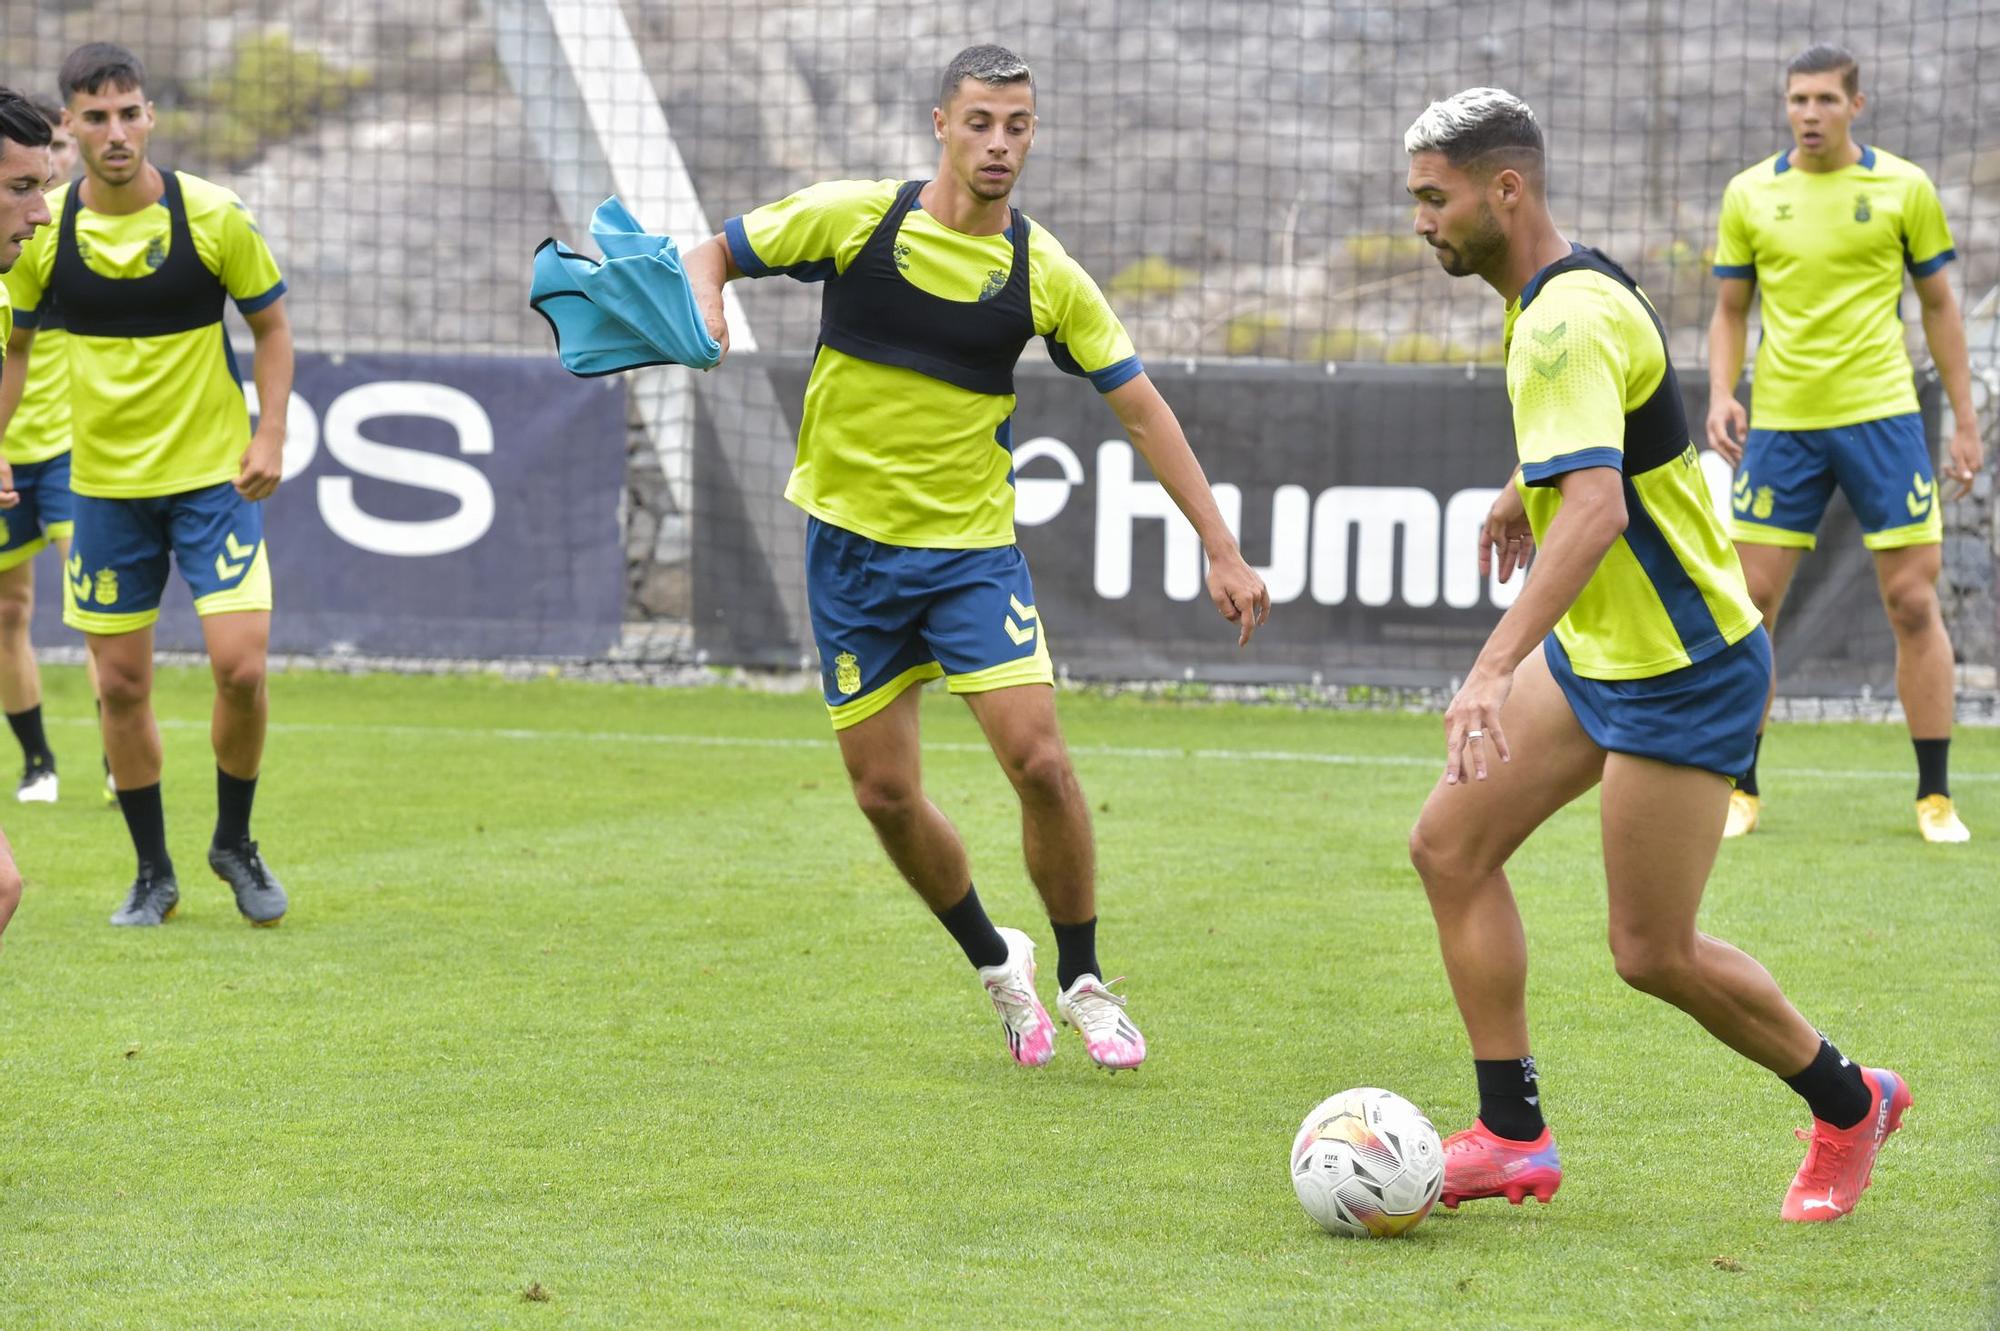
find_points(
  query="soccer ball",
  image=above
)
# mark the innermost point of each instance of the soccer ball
(1367, 1163)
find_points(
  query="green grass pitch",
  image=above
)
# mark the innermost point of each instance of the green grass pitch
(606, 996)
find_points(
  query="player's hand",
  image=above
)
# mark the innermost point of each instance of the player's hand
(1506, 542)
(1239, 594)
(718, 325)
(1728, 426)
(9, 496)
(1472, 734)
(1968, 454)
(263, 464)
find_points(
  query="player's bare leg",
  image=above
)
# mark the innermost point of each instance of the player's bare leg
(61, 544)
(885, 769)
(1468, 831)
(238, 649)
(21, 685)
(10, 883)
(1908, 581)
(1460, 846)
(132, 744)
(1662, 825)
(1768, 571)
(1061, 854)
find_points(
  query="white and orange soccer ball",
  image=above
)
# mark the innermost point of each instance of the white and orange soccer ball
(1367, 1163)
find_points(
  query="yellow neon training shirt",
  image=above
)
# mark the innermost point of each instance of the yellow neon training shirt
(1581, 356)
(1827, 251)
(892, 454)
(155, 415)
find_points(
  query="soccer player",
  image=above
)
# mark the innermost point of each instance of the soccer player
(1823, 232)
(24, 171)
(932, 290)
(37, 448)
(1633, 661)
(140, 261)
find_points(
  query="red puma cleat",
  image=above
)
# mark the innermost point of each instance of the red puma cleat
(1840, 1162)
(1479, 1164)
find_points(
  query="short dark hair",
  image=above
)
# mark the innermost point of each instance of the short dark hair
(21, 123)
(1482, 129)
(994, 66)
(1827, 58)
(94, 66)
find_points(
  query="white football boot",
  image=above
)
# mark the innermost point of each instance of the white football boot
(1099, 1017)
(1031, 1036)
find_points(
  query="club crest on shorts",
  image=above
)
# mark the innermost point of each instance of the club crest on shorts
(847, 673)
(107, 587)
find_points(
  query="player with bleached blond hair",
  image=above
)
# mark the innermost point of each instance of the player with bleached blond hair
(1634, 661)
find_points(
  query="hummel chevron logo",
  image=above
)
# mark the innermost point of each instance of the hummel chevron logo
(1024, 632)
(1918, 500)
(1550, 369)
(1545, 336)
(236, 550)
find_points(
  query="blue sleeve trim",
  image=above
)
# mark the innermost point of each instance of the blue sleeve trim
(1748, 270)
(1930, 265)
(26, 319)
(256, 303)
(740, 253)
(1116, 376)
(1545, 473)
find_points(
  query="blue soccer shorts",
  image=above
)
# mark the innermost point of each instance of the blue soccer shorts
(46, 511)
(1704, 715)
(119, 556)
(1883, 467)
(886, 617)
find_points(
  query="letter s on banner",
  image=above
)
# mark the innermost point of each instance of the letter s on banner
(407, 466)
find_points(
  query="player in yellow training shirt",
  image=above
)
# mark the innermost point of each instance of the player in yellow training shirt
(24, 172)
(905, 472)
(37, 448)
(1822, 233)
(1633, 662)
(141, 261)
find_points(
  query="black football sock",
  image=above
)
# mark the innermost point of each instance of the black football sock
(1832, 1087)
(1510, 1097)
(27, 727)
(233, 798)
(1933, 757)
(1076, 951)
(147, 823)
(967, 923)
(1747, 783)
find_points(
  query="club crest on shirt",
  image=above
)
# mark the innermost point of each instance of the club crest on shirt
(996, 282)
(847, 673)
(1861, 213)
(156, 252)
(1784, 212)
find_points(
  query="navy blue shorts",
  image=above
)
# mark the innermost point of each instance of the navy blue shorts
(46, 512)
(886, 617)
(1883, 467)
(119, 555)
(1704, 715)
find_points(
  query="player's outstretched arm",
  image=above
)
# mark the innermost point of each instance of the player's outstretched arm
(13, 382)
(1591, 518)
(708, 266)
(1944, 332)
(1156, 432)
(264, 461)
(1728, 334)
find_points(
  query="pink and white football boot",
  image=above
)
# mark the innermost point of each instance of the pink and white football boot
(1099, 1017)
(1031, 1036)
